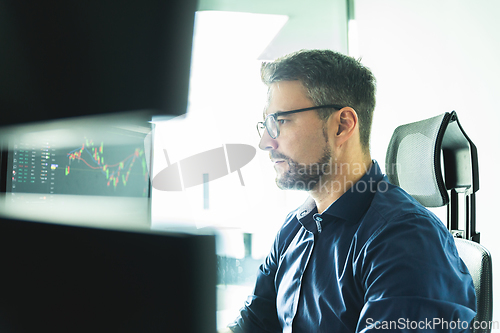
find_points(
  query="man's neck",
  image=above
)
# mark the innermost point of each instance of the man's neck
(343, 177)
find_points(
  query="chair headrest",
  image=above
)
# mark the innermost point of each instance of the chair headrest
(413, 159)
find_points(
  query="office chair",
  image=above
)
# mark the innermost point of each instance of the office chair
(417, 156)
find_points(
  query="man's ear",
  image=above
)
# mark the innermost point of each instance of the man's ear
(344, 123)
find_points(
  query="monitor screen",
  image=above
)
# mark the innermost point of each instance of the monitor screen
(88, 176)
(112, 162)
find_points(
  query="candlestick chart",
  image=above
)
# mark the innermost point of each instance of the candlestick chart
(105, 163)
(95, 168)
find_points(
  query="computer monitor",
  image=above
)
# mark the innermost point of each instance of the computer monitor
(59, 278)
(88, 176)
(67, 59)
(99, 162)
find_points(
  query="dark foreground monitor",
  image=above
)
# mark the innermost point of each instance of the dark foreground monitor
(65, 58)
(58, 278)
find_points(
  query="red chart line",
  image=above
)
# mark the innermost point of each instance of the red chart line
(90, 166)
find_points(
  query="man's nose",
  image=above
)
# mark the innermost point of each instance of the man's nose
(267, 143)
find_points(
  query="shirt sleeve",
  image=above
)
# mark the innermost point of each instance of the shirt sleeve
(414, 279)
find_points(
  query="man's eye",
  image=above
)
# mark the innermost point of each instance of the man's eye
(281, 121)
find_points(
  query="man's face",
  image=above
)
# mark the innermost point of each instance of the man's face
(301, 153)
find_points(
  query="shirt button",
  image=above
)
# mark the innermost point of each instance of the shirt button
(317, 218)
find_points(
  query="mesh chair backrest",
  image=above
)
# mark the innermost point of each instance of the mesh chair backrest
(413, 162)
(478, 261)
(416, 148)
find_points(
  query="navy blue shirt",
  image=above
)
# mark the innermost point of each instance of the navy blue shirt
(374, 259)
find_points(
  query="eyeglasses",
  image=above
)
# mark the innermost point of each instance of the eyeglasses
(271, 121)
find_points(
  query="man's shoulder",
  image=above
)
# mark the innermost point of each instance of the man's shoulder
(394, 208)
(391, 202)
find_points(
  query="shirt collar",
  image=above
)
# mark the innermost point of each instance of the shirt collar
(353, 203)
(308, 207)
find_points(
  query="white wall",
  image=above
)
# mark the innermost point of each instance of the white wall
(434, 56)
(311, 24)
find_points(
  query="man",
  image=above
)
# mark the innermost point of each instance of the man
(360, 254)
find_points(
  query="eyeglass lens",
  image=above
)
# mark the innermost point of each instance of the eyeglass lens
(272, 127)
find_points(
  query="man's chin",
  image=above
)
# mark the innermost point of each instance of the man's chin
(291, 184)
(286, 181)
(283, 186)
(281, 182)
